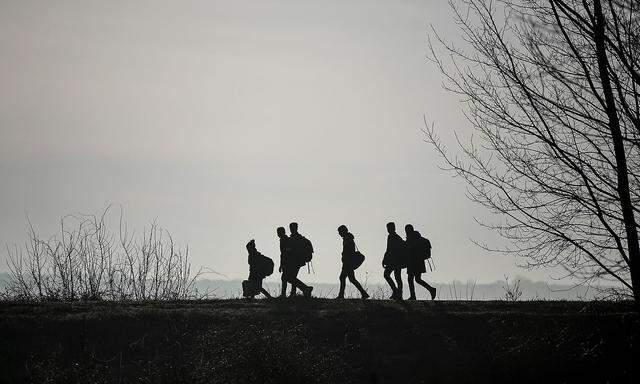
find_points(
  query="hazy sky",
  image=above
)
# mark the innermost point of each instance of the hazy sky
(226, 119)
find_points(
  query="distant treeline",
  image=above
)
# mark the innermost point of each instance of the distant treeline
(456, 290)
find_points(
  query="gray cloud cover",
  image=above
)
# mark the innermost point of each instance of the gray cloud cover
(226, 119)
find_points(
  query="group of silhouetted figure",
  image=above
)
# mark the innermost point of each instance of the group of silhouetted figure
(296, 251)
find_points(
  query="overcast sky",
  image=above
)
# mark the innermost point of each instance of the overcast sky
(226, 119)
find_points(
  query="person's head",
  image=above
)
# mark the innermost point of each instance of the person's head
(391, 227)
(342, 230)
(408, 229)
(293, 227)
(251, 245)
(281, 232)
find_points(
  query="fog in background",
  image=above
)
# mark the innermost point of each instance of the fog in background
(226, 119)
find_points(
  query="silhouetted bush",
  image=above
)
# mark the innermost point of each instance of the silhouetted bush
(88, 261)
(512, 292)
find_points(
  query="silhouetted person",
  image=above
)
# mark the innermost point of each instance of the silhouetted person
(415, 266)
(301, 251)
(258, 270)
(348, 255)
(288, 265)
(395, 258)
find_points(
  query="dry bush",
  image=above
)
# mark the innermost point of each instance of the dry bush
(87, 260)
(512, 292)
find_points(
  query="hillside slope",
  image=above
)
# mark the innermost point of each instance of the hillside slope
(317, 340)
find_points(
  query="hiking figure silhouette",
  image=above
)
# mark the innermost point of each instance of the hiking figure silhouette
(395, 258)
(289, 267)
(419, 250)
(301, 252)
(349, 263)
(260, 266)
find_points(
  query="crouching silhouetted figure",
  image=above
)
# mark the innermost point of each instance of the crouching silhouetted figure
(349, 263)
(289, 266)
(395, 258)
(260, 266)
(418, 248)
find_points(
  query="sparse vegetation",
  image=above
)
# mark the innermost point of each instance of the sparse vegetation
(455, 290)
(512, 292)
(88, 261)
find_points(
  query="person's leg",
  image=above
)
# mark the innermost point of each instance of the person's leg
(412, 288)
(429, 288)
(397, 273)
(284, 279)
(352, 278)
(387, 277)
(247, 289)
(293, 277)
(298, 284)
(260, 288)
(265, 292)
(343, 278)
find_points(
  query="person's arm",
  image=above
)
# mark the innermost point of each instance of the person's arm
(385, 258)
(352, 246)
(252, 258)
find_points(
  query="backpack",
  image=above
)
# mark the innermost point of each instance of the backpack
(357, 259)
(425, 248)
(306, 249)
(265, 266)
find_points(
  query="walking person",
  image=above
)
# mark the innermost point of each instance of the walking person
(301, 252)
(395, 259)
(348, 263)
(289, 267)
(418, 250)
(260, 266)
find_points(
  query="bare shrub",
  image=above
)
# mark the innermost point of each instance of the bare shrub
(512, 292)
(455, 290)
(88, 261)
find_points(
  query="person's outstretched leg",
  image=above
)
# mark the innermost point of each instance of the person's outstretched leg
(297, 284)
(412, 288)
(343, 278)
(266, 293)
(293, 276)
(354, 281)
(387, 277)
(398, 275)
(260, 288)
(429, 288)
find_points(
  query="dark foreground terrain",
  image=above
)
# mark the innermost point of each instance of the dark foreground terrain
(317, 341)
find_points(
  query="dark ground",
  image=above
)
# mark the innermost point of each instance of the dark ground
(318, 340)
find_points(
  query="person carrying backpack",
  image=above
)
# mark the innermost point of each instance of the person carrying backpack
(395, 258)
(260, 266)
(301, 254)
(289, 267)
(419, 249)
(351, 259)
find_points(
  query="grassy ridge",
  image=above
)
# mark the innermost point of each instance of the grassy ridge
(317, 341)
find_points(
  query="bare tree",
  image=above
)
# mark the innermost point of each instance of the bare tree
(551, 89)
